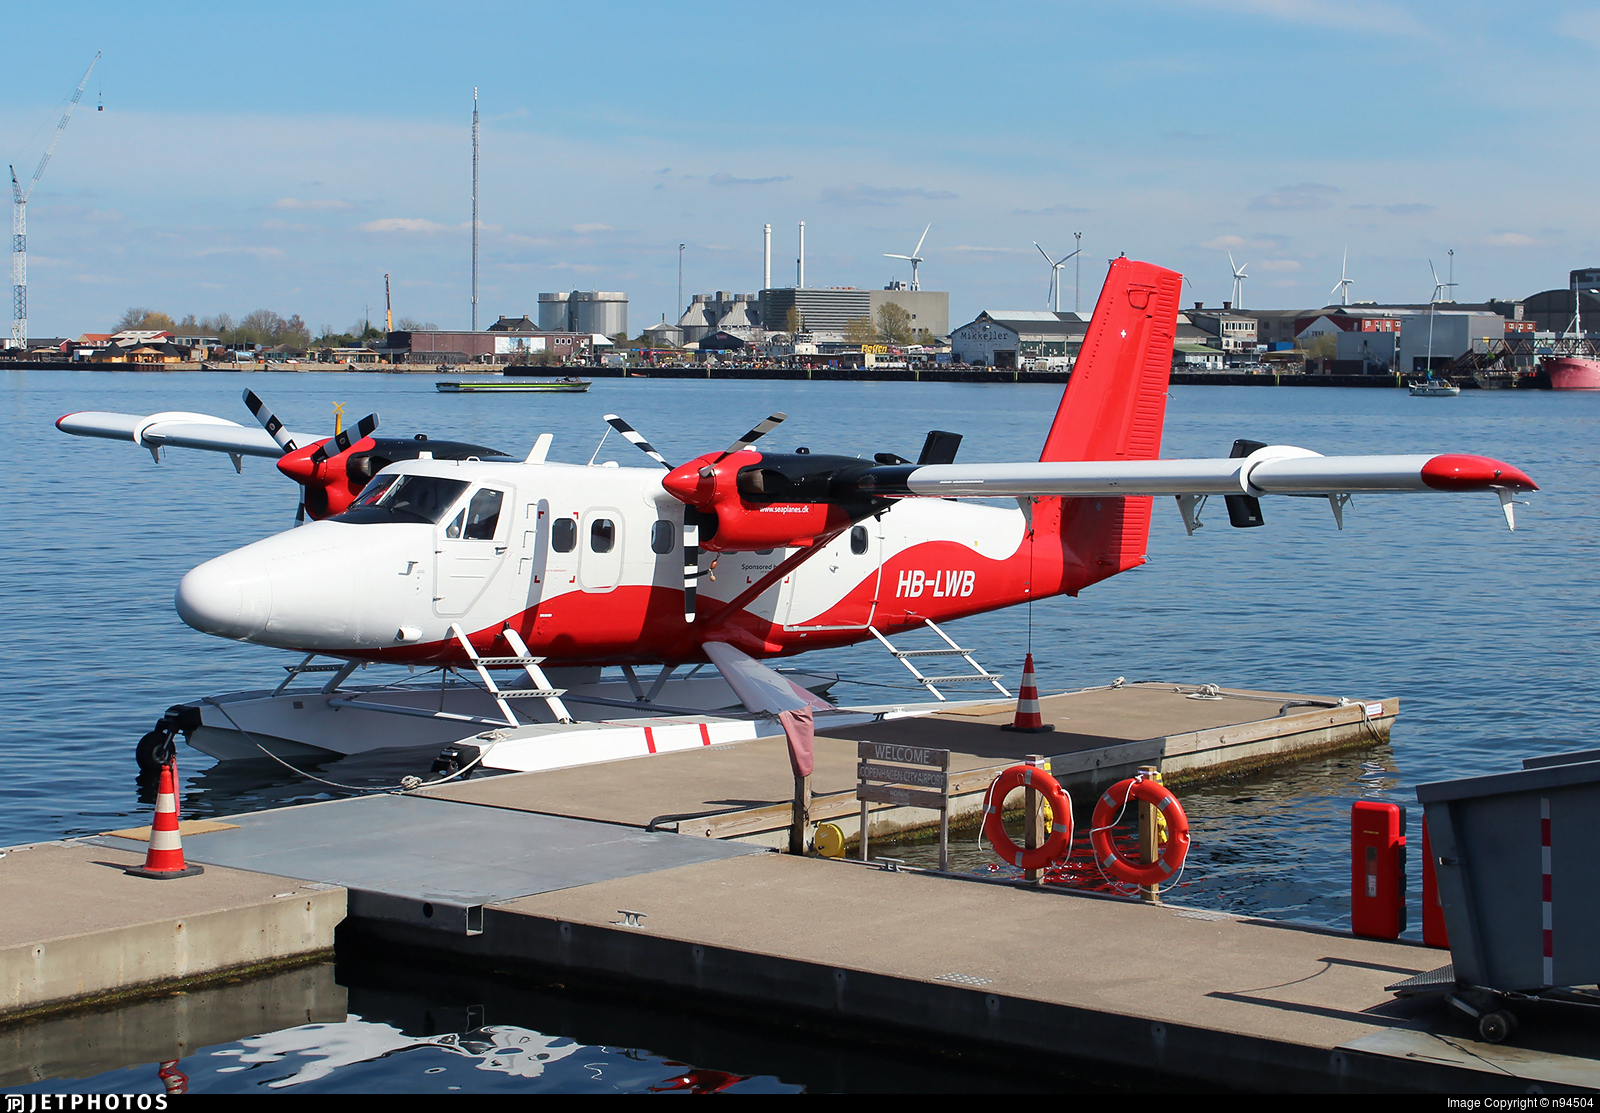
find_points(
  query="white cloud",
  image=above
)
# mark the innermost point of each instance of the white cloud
(404, 224)
(1296, 198)
(585, 229)
(1287, 265)
(258, 252)
(1512, 239)
(296, 204)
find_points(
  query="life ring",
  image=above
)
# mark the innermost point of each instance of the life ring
(1060, 840)
(1172, 853)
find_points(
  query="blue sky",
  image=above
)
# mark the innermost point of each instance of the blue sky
(287, 157)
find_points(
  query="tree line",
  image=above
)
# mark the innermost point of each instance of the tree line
(264, 327)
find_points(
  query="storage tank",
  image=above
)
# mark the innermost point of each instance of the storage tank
(553, 313)
(602, 311)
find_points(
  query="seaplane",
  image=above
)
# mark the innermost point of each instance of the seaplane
(456, 557)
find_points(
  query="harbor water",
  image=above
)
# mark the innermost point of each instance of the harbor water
(1484, 635)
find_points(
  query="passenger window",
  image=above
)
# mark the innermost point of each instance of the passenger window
(661, 539)
(564, 535)
(602, 535)
(453, 530)
(858, 540)
(483, 515)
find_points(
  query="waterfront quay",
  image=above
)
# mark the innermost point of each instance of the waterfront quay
(654, 876)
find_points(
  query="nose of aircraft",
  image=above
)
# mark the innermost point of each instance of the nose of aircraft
(226, 598)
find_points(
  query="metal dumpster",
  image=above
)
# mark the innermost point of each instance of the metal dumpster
(1518, 876)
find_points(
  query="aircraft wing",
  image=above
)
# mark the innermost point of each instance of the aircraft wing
(179, 429)
(1271, 470)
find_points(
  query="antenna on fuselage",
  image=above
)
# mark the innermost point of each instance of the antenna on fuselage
(599, 446)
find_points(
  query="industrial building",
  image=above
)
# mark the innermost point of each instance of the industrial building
(498, 345)
(831, 309)
(591, 311)
(1445, 334)
(1014, 337)
(739, 314)
(1225, 330)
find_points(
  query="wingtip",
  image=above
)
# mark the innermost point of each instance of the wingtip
(1459, 471)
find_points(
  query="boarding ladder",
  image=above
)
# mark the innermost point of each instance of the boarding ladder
(979, 674)
(525, 662)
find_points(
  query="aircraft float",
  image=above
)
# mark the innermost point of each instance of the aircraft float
(460, 557)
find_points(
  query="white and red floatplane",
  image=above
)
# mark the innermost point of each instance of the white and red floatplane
(458, 556)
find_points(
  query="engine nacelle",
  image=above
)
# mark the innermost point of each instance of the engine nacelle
(769, 501)
(330, 489)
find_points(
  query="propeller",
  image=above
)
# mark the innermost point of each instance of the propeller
(305, 475)
(269, 421)
(342, 440)
(693, 516)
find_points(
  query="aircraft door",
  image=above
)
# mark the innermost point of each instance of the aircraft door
(837, 589)
(600, 541)
(470, 547)
(533, 561)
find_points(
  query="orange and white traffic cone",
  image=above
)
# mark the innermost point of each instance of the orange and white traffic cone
(165, 857)
(1029, 719)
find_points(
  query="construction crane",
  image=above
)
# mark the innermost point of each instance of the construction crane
(19, 222)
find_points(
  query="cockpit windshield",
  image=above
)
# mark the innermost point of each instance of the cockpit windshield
(416, 498)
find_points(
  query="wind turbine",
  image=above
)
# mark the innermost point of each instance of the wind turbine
(1438, 288)
(1342, 287)
(914, 258)
(1238, 282)
(1055, 274)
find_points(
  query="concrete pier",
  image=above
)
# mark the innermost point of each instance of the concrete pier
(649, 874)
(75, 928)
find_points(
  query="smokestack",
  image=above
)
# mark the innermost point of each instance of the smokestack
(800, 263)
(766, 258)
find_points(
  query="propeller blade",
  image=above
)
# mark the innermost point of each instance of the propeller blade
(691, 560)
(269, 421)
(750, 438)
(1045, 253)
(918, 249)
(887, 255)
(342, 440)
(633, 437)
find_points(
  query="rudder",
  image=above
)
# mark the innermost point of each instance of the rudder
(1113, 409)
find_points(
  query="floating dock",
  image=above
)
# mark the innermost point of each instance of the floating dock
(651, 874)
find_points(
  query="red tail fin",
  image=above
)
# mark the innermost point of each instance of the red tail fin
(1113, 408)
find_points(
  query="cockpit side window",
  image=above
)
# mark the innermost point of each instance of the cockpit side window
(423, 496)
(374, 490)
(483, 515)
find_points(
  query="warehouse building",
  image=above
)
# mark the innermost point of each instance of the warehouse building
(1019, 337)
(496, 346)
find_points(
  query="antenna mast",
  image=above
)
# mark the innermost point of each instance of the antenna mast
(474, 208)
(19, 222)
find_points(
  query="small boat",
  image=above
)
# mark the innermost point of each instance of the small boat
(567, 385)
(1433, 388)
